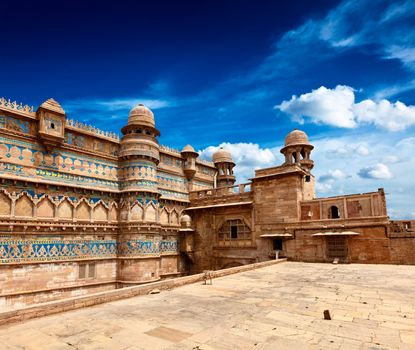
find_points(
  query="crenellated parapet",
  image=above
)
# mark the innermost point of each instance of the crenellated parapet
(74, 124)
(16, 107)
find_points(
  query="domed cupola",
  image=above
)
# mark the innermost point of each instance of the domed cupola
(140, 119)
(225, 164)
(140, 135)
(297, 149)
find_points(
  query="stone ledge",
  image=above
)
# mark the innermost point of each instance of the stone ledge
(58, 306)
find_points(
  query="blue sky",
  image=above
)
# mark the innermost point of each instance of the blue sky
(240, 74)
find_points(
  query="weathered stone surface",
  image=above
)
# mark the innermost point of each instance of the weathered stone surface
(275, 307)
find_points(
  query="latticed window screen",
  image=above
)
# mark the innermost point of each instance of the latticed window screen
(234, 229)
(336, 247)
(82, 270)
(91, 270)
(87, 271)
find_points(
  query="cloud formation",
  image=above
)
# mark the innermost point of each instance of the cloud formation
(326, 182)
(377, 171)
(359, 23)
(113, 105)
(337, 107)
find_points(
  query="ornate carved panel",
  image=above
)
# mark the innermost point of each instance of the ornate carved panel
(45, 208)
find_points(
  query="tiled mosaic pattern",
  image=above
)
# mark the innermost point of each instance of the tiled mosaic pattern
(43, 250)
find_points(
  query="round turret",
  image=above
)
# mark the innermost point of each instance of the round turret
(225, 164)
(297, 149)
(139, 151)
(190, 155)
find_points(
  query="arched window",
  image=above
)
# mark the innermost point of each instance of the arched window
(334, 212)
(234, 229)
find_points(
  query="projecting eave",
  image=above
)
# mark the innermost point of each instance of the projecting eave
(277, 235)
(344, 233)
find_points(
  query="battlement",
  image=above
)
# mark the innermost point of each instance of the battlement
(91, 129)
(16, 107)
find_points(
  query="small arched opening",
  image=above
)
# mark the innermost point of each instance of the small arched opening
(303, 153)
(294, 155)
(334, 212)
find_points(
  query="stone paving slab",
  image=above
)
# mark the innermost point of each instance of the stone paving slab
(275, 307)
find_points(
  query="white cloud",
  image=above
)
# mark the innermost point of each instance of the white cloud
(390, 159)
(333, 175)
(362, 150)
(391, 116)
(323, 106)
(324, 187)
(377, 171)
(402, 53)
(335, 149)
(393, 90)
(327, 181)
(337, 107)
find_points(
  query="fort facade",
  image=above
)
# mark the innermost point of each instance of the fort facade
(83, 210)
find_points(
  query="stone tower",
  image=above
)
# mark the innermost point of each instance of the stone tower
(190, 155)
(297, 151)
(225, 164)
(138, 159)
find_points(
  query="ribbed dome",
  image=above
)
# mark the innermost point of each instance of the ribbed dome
(296, 137)
(188, 148)
(141, 115)
(222, 156)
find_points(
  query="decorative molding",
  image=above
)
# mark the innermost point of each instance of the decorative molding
(44, 250)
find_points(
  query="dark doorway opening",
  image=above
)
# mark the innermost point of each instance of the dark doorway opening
(277, 243)
(234, 232)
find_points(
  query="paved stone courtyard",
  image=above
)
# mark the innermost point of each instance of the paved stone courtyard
(276, 307)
